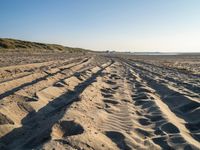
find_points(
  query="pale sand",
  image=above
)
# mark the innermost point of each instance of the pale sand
(98, 103)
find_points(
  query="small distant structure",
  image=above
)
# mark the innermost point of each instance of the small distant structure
(110, 51)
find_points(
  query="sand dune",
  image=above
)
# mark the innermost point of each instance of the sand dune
(98, 102)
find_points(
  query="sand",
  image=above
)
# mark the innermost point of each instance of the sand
(95, 102)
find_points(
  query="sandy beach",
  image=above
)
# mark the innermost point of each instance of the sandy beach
(100, 102)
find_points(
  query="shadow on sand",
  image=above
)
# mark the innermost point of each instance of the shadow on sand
(36, 126)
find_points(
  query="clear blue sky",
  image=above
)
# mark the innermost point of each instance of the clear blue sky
(125, 25)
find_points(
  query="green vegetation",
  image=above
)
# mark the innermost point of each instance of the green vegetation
(26, 46)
